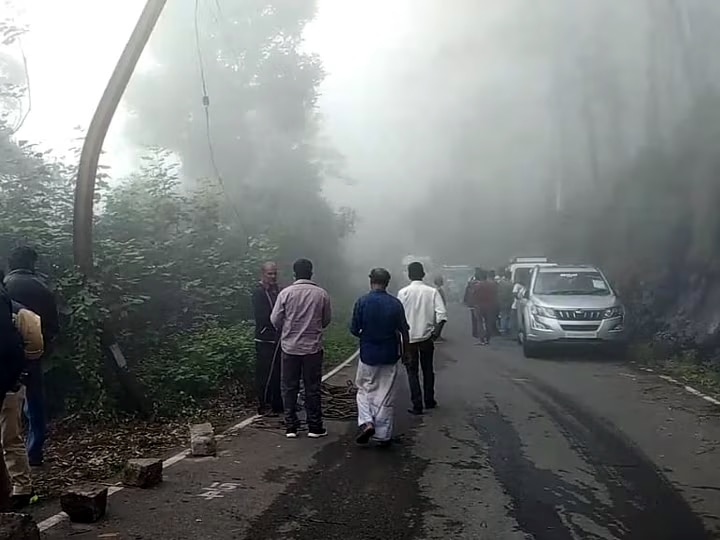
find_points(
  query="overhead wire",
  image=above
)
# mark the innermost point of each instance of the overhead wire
(28, 88)
(208, 124)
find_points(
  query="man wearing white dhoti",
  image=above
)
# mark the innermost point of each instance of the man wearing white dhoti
(379, 321)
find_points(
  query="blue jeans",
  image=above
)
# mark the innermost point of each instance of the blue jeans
(505, 321)
(35, 413)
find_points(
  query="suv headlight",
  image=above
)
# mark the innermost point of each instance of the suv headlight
(540, 311)
(613, 312)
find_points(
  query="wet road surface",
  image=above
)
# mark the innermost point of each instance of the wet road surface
(547, 449)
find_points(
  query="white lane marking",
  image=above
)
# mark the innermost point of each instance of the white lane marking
(240, 425)
(45, 524)
(169, 462)
(58, 518)
(341, 366)
(690, 390)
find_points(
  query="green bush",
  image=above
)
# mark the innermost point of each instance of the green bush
(339, 342)
(196, 365)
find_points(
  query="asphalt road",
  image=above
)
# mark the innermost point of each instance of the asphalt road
(548, 449)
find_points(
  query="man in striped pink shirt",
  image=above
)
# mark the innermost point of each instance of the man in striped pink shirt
(301, 313)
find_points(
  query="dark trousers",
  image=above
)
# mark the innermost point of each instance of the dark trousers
(486, 323)
(267, 376)
(309, 367)
(474, 322)
(35, 412)
(421, 358)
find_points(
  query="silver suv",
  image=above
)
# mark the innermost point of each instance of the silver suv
(569, 304)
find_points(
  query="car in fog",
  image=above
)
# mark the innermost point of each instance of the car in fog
(569, 305)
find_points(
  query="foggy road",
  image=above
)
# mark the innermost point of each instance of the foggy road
(544, 449)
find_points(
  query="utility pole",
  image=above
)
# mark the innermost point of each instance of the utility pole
(85, 188)
(87, 172)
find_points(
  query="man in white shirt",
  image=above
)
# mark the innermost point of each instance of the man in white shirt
(426, 315)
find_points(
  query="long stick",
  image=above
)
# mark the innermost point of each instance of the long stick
(87, 172)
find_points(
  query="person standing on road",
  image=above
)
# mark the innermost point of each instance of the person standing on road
(27, 288)
(12, 364)
(439, 284)
(301, 313)
(505, 301)
(484, 301)
(426, 316)
(267, 353)
(494, 278)
(467, 300)
(29, 326)
(379, 322)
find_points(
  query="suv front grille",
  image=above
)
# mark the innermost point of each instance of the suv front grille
(580, 327)
(579, 314)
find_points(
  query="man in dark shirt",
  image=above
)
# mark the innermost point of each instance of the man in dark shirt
(28, 289)
(267, 350)
(12, 363)
(379, 321)
(484, 302)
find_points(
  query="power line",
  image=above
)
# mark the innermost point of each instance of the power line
(208, 127)
(28, 88)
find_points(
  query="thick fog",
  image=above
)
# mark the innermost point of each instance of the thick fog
(471, 127)
(468, 131)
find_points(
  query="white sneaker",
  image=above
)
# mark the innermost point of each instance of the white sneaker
(318, 434)
(291, 434)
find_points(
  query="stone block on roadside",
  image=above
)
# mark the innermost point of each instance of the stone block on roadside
(84, 503)
(202, 440)
(143, 473)
(18, 527)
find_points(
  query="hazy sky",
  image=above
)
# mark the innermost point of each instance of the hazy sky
(72, 47)
(418, 93)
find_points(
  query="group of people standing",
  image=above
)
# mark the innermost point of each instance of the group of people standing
(288, 334)
(28, 328)
(489, 296)
(289, 326)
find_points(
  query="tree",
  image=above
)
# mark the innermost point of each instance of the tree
(259, 143)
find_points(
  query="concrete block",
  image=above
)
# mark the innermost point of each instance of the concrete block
(143, 473)
(85, 503)
(202, 440)
(18, 527)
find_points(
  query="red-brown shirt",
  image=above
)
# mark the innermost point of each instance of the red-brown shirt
(484, 295)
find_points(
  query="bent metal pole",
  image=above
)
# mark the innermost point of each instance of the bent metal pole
(87, 171)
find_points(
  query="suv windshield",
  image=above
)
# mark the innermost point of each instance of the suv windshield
(571, 283)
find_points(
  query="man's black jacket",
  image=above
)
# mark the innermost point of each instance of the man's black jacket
(27, 288)
(263, 301)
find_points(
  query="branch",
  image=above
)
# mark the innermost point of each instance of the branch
(27, 85)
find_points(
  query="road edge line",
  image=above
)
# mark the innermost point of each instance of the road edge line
(689, 389)
(58, 518)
